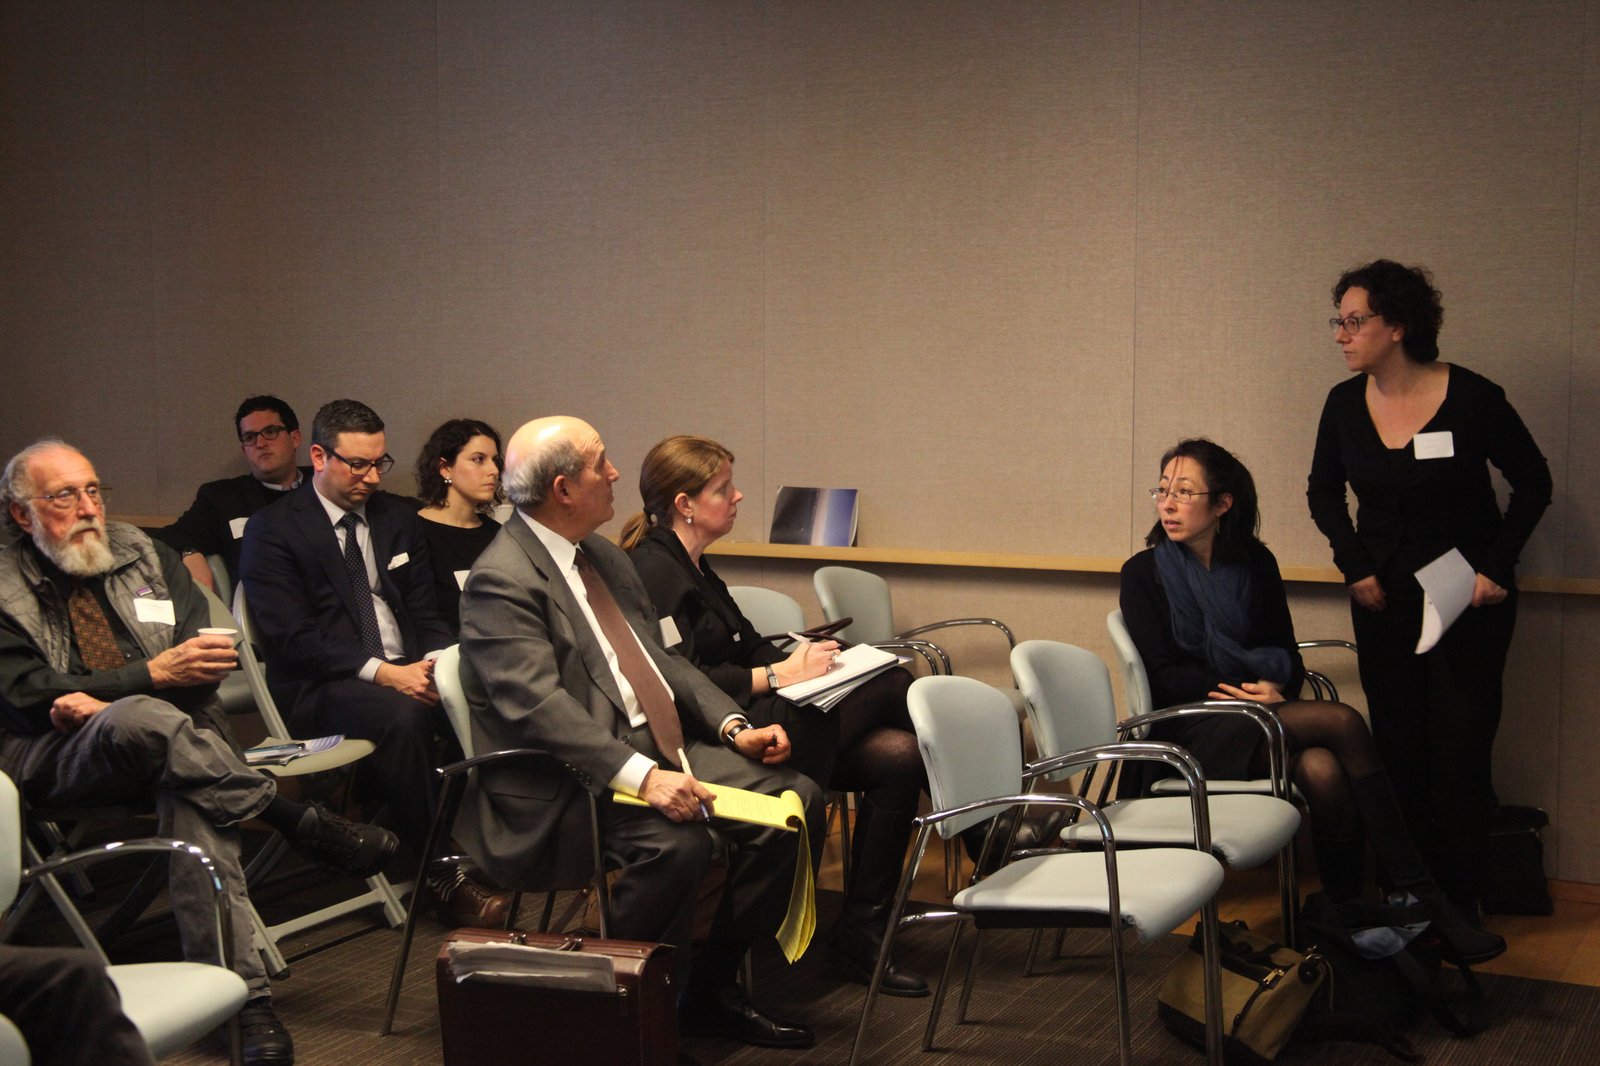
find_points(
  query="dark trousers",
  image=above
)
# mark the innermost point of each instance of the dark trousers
(662, 863)
(400, 772)
(67, 1008)
(1434, 718)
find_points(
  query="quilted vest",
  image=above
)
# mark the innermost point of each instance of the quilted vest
(32, 600)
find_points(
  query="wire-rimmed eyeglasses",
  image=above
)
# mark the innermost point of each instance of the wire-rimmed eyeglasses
(1179, 495)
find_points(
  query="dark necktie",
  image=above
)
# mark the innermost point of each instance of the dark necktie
(97, 646)
(659, 710)
(361, 587)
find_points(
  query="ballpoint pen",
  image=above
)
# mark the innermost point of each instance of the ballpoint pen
(683, 761)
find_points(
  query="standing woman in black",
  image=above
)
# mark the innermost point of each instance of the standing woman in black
(1414, 437)
(864, 743)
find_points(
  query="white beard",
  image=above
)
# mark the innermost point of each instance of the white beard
(88, 557)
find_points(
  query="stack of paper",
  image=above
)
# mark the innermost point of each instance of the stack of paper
(855, 665)
(281, 753)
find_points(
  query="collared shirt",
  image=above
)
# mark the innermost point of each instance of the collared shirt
(631, 777)
(394, 647)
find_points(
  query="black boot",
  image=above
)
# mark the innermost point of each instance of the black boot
(1398, 854)
(853, 950)
(1341, 865)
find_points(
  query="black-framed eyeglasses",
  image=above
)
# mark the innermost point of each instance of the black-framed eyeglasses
(65, 500)
(1177, 495)
(359, 467)
(1351, 324)
(250, 436)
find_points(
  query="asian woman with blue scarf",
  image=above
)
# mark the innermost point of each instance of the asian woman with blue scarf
(1206, 606)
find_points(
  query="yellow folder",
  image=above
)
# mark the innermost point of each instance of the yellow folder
(785, 812)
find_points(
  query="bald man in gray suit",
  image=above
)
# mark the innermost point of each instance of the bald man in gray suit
(551, 659)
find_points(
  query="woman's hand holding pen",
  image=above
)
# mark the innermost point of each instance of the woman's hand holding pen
(808, 660)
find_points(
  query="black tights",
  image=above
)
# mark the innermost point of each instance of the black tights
(878, 757)
(1330, 747)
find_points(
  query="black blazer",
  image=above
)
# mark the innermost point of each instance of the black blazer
(300, 591)
(715, 636)
(207, 526)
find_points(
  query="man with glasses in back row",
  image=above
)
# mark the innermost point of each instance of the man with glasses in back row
(341, 589)
(269, 437)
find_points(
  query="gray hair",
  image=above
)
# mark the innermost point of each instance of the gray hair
(16, 484)
(527, 482)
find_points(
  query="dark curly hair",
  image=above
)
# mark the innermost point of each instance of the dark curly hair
(445, 446)
(1240, 525)
(1404, 296)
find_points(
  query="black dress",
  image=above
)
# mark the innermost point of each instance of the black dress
(1434, 716)
(453, 550)
(1228, 746)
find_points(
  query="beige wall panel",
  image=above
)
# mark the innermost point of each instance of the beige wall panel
(76, 335)
(295, 219)
(1572, 762)
(948, 302)
(1280, 144)
(602, 220)
(1582, 541)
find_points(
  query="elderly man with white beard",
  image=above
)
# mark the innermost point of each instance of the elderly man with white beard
(101, 668)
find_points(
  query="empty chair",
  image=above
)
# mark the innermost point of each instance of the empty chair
(846, 592)
(1071, 706)
(172, 1004)
(970, 742)
(770, 611)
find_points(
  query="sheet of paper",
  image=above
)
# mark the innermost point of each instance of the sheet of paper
(1447, 584)
(778, 812)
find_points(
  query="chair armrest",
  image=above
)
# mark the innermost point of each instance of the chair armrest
(1260, 713)
(951, 623)
(1306, 645)
(933, 654)
(151, 845)
(1136, 751)
(1321, 687)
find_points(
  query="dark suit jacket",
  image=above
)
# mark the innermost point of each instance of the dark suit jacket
(207, 526)
(300, 591)
(535, 677)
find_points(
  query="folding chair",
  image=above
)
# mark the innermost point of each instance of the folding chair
(379, 889)
(970, 741)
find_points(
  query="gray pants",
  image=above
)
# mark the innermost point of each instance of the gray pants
(140, 748)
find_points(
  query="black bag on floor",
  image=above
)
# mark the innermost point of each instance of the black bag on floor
(1387, 973)
(1514, 882)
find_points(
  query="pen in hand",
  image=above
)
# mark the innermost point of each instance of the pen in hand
(683, 761)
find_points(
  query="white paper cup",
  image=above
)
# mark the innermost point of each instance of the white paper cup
(218, 631)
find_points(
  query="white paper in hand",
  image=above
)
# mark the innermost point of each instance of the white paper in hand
(1447, 584)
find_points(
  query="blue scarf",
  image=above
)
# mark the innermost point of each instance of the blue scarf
(1211, 616)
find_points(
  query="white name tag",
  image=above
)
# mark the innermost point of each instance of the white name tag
(1440, 445)
(399, 560)
(669, 632)
(237, 526)
(154, 611)
(461, 578)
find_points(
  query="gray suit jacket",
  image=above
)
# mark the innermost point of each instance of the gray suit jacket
(535, 677)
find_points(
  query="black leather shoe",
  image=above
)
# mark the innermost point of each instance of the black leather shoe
(264, 1040)
(732, 1016)
(342, 845)
(853, 951)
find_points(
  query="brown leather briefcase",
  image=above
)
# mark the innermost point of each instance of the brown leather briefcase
(483, 1021)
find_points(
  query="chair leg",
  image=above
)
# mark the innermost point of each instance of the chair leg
(1212, 958)
(1119, 971)
(944, 985)
(1288, 890)
(1033, 951)
(971, 979)
(549, 908)
(443, 818)
(1061, 940)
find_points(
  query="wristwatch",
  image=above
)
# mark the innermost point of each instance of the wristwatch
(735, 729)
(772, 679)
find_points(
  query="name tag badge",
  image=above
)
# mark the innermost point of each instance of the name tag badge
(236, 525)
(669, 632)
(154, 611)
(1440, 445)
(461, 578)
(399, 560)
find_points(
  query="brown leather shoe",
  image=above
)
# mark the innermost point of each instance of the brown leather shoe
(461, 901)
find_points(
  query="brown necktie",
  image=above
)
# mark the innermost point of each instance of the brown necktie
(659, 710)
(96, 645)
